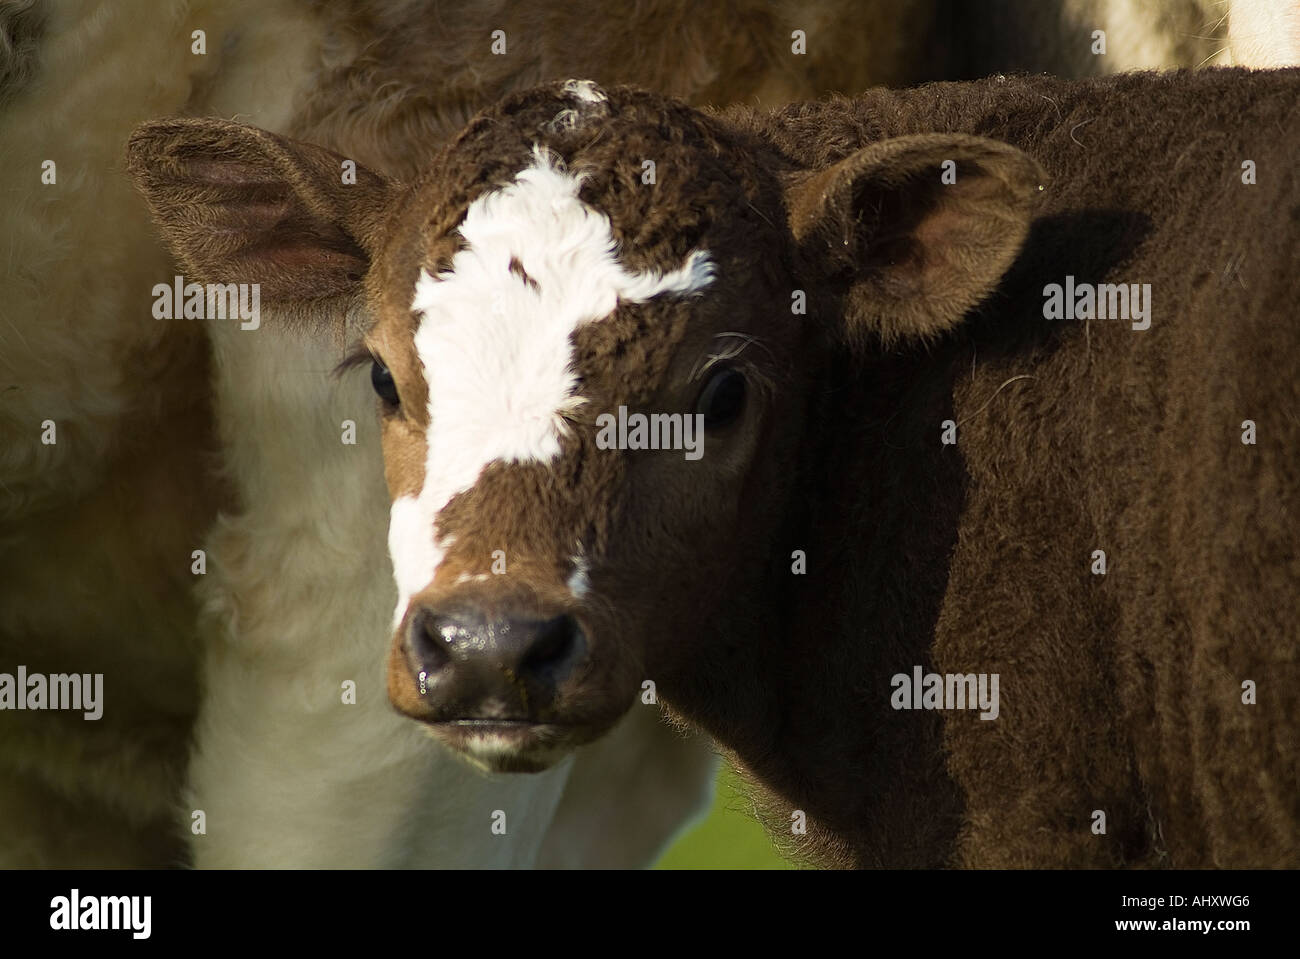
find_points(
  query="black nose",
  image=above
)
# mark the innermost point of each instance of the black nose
(468, 666)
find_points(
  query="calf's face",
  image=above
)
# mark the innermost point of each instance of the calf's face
(597, 328)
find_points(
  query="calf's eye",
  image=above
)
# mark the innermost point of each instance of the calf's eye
(381, 378)
(722, 400)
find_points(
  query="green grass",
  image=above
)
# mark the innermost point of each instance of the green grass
(730, 838)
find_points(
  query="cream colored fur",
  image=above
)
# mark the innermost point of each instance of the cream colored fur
(95, 530)
(68, 333)
(1153, 34)
(1162, 34)
(1264, 33)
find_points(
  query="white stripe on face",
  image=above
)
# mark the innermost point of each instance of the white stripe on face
(497, 348)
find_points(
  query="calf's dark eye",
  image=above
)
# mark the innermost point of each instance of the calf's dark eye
(722, 400)
(381, 378)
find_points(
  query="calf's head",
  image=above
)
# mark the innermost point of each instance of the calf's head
(581, 279)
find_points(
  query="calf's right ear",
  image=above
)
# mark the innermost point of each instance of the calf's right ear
(917, 229)
(239, 204)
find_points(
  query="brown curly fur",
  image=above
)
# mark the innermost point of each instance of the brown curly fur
(1122, 692)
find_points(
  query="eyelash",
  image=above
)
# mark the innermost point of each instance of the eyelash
(358, 357)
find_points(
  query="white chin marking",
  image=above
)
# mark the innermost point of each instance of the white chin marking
(497, 347)
(490, 746)
(491, 750)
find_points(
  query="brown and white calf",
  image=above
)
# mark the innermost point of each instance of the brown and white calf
(300, 555)
(922, 472)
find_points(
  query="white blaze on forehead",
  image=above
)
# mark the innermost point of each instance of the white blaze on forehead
(497, 348)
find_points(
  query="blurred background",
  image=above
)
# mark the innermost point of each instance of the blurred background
(729, 838)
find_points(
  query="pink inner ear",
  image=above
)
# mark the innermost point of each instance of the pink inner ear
(291, 255)
(249, 214)
(922, 227)
(239, 205)
(225, 171)
(246, 226)
(941, 229)
(292, 265)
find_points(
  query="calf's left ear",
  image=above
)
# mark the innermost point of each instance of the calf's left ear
(920, 229)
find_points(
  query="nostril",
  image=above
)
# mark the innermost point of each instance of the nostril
(427, 641)
(554, 644)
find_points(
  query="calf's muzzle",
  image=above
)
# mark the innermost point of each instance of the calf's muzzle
(471, 666)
